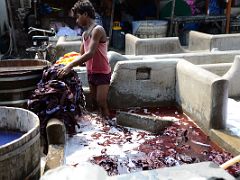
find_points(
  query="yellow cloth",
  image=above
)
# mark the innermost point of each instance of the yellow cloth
(67, 58)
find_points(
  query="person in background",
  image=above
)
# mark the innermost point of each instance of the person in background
(93, 53)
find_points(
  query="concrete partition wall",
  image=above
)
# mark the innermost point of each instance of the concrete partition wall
(143, 83)
(139, 46)
(202, 95)
(222, 42)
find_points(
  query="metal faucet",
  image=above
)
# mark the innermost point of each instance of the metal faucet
(32, 29)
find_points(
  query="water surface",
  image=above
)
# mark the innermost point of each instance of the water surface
(8, 136)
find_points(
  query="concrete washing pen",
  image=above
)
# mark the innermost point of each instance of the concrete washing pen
(230, 162)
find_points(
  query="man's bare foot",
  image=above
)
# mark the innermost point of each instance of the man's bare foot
(111, 121)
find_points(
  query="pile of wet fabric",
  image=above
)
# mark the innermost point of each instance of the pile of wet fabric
(60, 98)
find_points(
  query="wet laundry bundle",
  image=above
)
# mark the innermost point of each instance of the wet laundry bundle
(60, 98)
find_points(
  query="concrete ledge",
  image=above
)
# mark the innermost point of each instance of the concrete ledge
(228, 142)
(148, 123)
(197, 171)
(55, 157)
(197, 58)
(203, 171)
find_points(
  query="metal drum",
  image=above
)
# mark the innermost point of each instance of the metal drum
(18, 78)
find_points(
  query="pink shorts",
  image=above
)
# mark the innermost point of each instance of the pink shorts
(99, 79)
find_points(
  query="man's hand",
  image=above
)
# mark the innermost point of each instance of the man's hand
(64, 71)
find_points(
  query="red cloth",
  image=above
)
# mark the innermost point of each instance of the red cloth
(99, 63)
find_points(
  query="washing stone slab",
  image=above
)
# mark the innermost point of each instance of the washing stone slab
(144, 122)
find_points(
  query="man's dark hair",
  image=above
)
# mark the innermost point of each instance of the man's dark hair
(83, 6)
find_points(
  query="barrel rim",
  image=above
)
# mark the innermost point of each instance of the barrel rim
(42, 63)
(41, 60)
(8, 147)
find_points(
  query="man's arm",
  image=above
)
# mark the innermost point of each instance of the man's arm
(97, 34)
